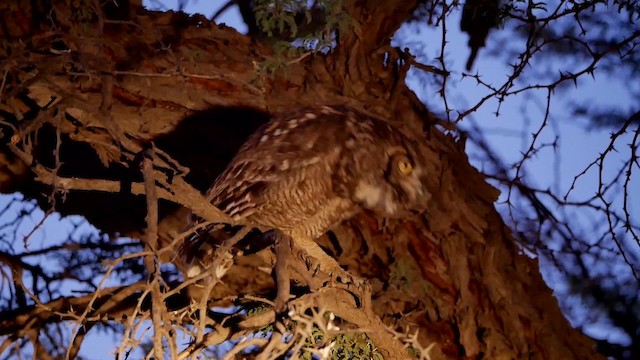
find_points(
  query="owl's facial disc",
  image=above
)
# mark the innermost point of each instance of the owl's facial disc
(400, 189)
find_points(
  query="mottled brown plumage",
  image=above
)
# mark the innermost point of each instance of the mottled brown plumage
(310, 169)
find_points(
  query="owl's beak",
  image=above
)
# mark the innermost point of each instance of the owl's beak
(420, 208)
(416, 212)
(422, 202)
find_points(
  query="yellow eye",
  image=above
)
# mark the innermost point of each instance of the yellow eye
(404, 167)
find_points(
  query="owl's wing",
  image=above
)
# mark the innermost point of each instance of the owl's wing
(240, 198)
(277, 151)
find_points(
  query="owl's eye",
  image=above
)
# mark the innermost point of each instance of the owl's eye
(404, 166)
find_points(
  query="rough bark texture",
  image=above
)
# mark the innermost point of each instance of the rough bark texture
(457, 276)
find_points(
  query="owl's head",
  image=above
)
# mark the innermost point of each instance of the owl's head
(397, 185)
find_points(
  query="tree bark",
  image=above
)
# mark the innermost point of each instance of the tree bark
(455, 274)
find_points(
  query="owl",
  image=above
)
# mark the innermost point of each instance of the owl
(308, 170)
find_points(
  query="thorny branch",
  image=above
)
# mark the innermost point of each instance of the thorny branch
(551, 47)
(151, 261)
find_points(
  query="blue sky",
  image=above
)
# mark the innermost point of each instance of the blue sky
(508, 133)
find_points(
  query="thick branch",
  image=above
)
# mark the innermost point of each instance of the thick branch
(377, 21)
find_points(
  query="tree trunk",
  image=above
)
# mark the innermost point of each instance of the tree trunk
(456, 275)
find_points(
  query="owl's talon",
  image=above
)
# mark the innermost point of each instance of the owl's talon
(357, 286)
(280, 303)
